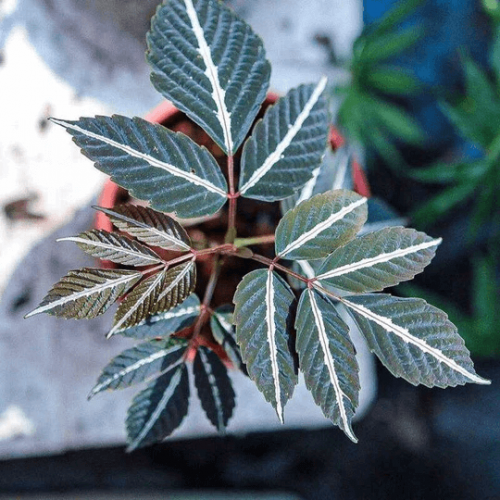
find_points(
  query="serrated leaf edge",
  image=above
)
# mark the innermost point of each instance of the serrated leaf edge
(174, 382)
(405, 335)
(218, 93)
(135, 366)
(330, 363)
(293, 130)
(136, 223)
(165, 316)
(178, 278)
(131, 311)
(214, 388)
(85, 293)
(308, 188)
(320, 227)
(153, 259)
(271, 339)
(154, 162)
(378, 259)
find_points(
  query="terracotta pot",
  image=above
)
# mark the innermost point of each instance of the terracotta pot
(169, 116)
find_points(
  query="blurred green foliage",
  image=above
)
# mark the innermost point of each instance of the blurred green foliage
(366, 116)
(475, 180)
(370, 117)
(476, 116)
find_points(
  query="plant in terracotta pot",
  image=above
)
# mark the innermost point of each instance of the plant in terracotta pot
(290, 269)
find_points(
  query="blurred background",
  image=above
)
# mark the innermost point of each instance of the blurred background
(415, 92)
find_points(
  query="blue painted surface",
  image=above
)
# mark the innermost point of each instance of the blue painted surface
(450, 26)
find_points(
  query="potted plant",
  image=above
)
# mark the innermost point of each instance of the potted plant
(290, 286)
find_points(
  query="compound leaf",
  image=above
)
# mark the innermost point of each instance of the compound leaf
(158, 293)
(413, 339)
(140, 363)
(211, 65)
(286, 146)
(86, 293)
(166, 168)
(317, 226)
(378, 260)
(224, 333)
(149, 226)
(114, 247)
(159, 409)
(262, 315)
(165, 323)
(214, 387)
(327, 359)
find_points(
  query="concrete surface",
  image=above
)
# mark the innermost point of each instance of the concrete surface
(68, 58)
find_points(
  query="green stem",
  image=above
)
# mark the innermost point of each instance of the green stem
(257, 240)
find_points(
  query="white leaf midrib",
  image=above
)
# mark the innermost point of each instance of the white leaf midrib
(308, 189)
(113, 283)
(293, 130)
(108, 246)
(320, 227)
(271, 339)
(149, 290)
(167, 395)
(153, 162)
(133, 367)
(405, 335)
(378, 259)
(214, 389)
(330, 364)
(150, 229)
(177, 279)
(218, 93)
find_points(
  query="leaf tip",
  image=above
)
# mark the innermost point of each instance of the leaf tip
(131, 447)
(32, 313)
(57, 121)
(279, 412)
(480, 380)
(350, 434)
(322, 84)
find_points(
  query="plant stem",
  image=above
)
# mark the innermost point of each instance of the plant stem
(231, 225)
(177, 260)
(228, 248)
(257, 240)
(205, 305)
(271, 263)
(153, 269)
